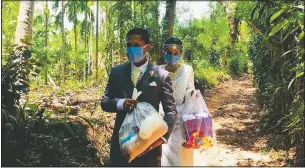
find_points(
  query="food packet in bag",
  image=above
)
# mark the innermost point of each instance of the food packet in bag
(197, 124)
(140, 129)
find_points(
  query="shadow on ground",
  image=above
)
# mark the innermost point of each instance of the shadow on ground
(59, 142)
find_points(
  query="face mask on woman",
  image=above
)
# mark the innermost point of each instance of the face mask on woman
(135, 54)
(171, 59)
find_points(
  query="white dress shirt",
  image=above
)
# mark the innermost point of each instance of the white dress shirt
(143, 68)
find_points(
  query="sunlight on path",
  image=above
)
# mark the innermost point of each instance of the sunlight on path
(235, 114)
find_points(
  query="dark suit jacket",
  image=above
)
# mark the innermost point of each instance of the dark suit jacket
(120, 86)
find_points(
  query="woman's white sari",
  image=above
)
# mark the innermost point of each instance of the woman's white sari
(173, 153)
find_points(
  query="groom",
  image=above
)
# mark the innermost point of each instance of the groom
(155, 89)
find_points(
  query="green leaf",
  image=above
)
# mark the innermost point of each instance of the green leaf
(298, 75)
(301, 35)
(278, 27)
(299, 7)
(288, 52)
(277, 14)
(291, 82)
(87, 122)
(89, 3)
(300, 16)
(47, 11)
(293, 29)
(31, 107)
(27, 54)
(277, 90)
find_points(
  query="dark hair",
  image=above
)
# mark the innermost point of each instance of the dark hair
(174, 40)
(139, 31)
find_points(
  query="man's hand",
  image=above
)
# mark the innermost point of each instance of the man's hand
(130, 104)
(152, 146)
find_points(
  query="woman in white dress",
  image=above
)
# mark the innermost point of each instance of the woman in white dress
(173, 153)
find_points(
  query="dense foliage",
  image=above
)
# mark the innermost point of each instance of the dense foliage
(213, 54)
(277, 51)
(263, 38)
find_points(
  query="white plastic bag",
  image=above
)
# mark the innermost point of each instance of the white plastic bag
(140, 129)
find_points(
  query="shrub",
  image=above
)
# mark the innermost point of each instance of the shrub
(238, 65)
(210, 76)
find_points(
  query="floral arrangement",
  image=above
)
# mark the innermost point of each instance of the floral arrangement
(152, 75)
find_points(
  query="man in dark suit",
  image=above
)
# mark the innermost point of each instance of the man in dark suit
(157, 88)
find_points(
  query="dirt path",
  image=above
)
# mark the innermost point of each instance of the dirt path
(232, 105)
(236, 116)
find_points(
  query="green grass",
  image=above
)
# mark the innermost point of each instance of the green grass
(211, 76)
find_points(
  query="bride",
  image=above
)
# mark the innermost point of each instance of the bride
(173, 153)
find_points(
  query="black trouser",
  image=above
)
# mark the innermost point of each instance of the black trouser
(150, 159)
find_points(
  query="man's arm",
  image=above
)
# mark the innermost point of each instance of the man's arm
(109, 103)
(168, 103)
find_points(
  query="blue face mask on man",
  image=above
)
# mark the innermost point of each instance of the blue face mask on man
(171, 59)
(135, 54)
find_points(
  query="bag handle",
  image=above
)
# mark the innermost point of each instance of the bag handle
(200, 102)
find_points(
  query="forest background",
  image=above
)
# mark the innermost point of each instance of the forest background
(63, 48)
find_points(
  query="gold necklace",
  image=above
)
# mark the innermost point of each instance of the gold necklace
(175, 71)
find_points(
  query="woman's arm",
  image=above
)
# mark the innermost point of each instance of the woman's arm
(190, 81)
(189, 86)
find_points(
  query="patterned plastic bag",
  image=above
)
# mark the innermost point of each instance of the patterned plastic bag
(197, 123)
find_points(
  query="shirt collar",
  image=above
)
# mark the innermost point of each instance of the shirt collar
(142, 67)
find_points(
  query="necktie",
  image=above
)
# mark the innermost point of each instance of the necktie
(136, 72)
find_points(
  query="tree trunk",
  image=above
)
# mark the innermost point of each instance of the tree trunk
(168, 24)
(142, 22)
(75, 38)
(46, 47)
(90, 65)
(108, 36)
(63, 43)
(75, 24)
(169, 18)
(133, 12)
(89, 39)
(121, 31)
(233, 22)
(86, 42)
(157, 49)
(96, 53)
(24, 26)
(86, 18)
(23, 35)
(102, 58)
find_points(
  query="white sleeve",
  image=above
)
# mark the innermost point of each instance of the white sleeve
(190, 84)
(180, 108)
(164, 140)
(120, 104)
(190, 81)
(161, 112)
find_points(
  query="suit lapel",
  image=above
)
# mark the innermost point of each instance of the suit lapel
(144, 82)
(127, 78)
